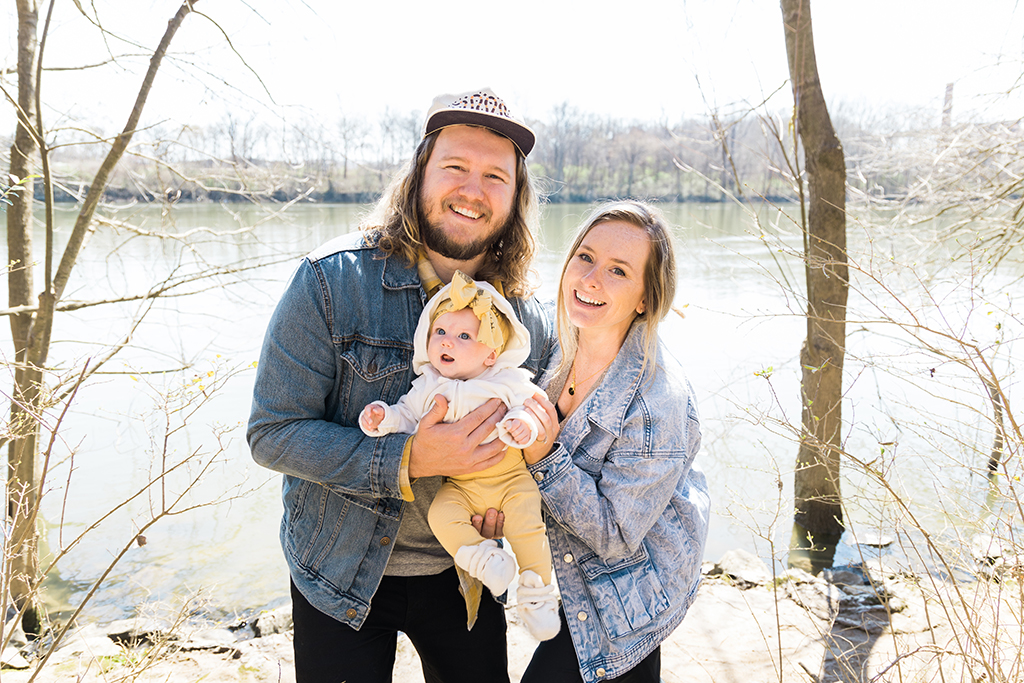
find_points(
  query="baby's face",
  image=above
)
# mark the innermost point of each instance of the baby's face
(453, 349)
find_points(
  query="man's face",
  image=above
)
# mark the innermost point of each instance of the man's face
(469, 184)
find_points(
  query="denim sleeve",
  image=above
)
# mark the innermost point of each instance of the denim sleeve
(290, 427)
(612, 490)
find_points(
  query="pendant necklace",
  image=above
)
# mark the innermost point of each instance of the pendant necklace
(572, 384)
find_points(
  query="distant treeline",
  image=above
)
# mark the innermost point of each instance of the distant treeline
(579, 157)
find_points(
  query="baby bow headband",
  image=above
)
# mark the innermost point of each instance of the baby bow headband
(464, 293)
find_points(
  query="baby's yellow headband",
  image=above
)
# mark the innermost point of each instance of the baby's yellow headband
(495, 329)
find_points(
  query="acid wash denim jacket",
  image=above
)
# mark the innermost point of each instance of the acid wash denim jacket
(340, 338)
(626, 509)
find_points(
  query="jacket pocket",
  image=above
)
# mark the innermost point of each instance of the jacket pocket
(326, 533)
(373, 371)
(627, 592)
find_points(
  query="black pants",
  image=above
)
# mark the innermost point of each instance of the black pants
(428, 609)
(555, 661)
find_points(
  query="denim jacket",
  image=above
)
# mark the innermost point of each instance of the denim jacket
(340, 338)
(626, 509)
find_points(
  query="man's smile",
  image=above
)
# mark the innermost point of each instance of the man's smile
(466, 211)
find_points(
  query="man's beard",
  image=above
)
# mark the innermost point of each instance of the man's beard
(435, 239)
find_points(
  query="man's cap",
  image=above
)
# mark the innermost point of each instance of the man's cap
(479, 108)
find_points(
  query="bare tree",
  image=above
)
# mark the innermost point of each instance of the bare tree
(818, 521)
(32, 321)
(352, 131)
(634, 148)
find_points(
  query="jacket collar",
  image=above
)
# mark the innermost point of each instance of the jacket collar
(396, 273)
(607, 405)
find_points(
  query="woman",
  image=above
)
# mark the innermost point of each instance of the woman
(626, 508)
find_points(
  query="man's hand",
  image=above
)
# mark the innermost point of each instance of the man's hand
(456, 448)
(489, 525)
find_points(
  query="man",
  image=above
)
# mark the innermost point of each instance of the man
(363, 562)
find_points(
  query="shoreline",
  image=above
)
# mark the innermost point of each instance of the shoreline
(745, 625)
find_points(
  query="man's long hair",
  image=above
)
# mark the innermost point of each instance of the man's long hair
(398, 218)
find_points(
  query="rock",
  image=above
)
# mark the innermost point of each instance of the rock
(861, 595)
(12, 659)
(847, 575)
(871, 623)
(87, 642)
(270, 658)
(986, 549)
(216, 639)
(873, 539)
(797, 575)
(817, 597)
(877, 572)
(745, 567)
(11, 656)
(136, 631)
(274, 621)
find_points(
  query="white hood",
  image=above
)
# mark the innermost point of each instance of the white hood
(517, 349)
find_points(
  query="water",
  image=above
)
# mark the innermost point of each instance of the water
(739, 291)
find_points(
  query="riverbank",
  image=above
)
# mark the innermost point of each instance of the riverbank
(858, 623)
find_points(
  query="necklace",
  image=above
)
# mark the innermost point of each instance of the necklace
(572, 384)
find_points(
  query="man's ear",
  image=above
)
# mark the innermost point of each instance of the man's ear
(491, 359)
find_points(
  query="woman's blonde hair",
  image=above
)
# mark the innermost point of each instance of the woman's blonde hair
(398, 218)
(659, 277)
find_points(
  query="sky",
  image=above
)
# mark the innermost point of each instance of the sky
(642, 59)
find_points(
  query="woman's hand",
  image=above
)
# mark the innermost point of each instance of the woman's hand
(544, 411)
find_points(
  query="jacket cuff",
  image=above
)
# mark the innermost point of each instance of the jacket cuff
(546, 470)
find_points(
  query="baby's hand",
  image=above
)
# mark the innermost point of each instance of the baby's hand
(371, 417)
(518, 430)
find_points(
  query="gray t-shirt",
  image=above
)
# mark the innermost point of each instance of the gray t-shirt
(417, 552)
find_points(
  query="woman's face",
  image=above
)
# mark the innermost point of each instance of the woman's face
(603, 285)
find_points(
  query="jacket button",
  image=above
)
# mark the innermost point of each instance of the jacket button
(568, 558)
(385, 541)
(600, 673)
(372, 367)
(351, 613)
(539, 476)
(582, 616)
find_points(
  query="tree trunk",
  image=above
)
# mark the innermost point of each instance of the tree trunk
(31, 331)
(21, 558)
(818, 521)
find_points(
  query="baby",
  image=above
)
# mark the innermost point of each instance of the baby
(468, 347)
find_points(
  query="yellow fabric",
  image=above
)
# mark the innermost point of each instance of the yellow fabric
(511, 490)
(432, 283)
(471, 589)
(495, 328)
(428, 276)
(404, 483)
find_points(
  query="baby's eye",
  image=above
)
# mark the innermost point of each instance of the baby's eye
(439, 330)
(465, 335)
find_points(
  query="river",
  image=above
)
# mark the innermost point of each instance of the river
(920, 418)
